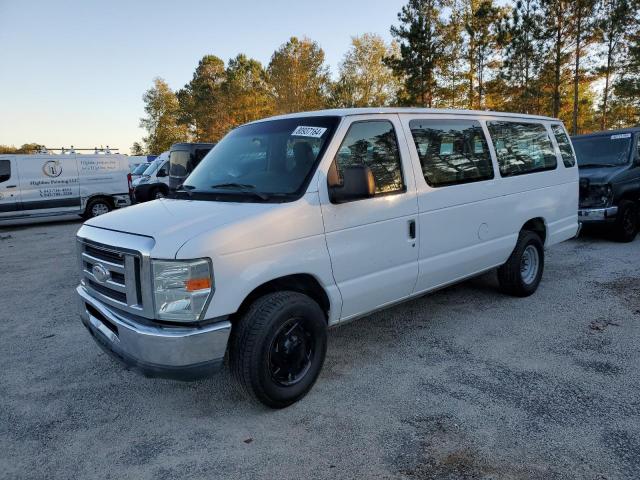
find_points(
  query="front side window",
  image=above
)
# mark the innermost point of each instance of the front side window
(373, 144)
(164, 170)
(451, 151)
(564, 145)
(264, 161)
(5, 170)
(522, 147)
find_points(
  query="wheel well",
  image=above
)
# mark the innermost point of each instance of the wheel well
(302, 282)
(536, 225)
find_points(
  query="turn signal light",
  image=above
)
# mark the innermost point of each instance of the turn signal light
(194, 284)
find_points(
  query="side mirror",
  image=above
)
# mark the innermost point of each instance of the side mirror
(357, 183)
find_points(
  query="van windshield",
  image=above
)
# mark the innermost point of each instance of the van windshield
(139, 170)
(602, 150)
(152, 167)
(264, 161)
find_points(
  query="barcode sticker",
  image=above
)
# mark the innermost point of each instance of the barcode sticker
(620, 135)
(314, 132)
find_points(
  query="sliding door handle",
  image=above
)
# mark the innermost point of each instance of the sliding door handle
(10, 186)
(412, 229)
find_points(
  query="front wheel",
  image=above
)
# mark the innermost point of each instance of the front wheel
(278, 348)
(626, 226)
(521, 274)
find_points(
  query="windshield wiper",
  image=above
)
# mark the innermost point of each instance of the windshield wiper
(242, 188)
(185, 189)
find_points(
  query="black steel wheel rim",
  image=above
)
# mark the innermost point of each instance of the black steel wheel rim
(628, 221)
(291, 352)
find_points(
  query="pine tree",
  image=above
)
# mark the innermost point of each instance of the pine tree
(421, 36)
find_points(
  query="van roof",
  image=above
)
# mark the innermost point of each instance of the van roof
(608, 132)
(345, 112)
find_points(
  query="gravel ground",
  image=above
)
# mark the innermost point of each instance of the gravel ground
(463, 383)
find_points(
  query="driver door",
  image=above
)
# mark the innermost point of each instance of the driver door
(372, 241)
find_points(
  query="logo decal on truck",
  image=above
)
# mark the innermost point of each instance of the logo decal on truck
(52, 168)
(100, 273)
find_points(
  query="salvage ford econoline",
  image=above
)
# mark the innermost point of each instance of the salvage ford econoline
(297, 223)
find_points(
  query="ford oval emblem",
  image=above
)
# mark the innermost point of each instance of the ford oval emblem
(100, 273)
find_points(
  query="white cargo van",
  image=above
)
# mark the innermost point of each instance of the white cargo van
(297, 223)
(45, 185)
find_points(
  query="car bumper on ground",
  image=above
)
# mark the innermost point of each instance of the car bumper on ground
(588, 215)
(180, 353)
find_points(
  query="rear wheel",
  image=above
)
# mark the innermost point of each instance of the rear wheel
(626, 226)
(278, 348)
(97, 207)
(521, 274)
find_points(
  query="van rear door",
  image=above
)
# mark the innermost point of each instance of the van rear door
(49, 184)
(9, 190)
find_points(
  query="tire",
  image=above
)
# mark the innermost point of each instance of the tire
(97, 207)
(514, 276)
(259, 356)
(156, 194)
(626, 226)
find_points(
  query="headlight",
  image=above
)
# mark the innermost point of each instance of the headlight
(181, 288)
(601, 194)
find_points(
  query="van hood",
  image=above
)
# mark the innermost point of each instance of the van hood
(173, 222)
(600, 175)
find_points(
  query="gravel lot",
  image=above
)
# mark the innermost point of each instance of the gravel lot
(463, 383)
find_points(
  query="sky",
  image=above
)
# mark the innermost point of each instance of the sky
(73, 72)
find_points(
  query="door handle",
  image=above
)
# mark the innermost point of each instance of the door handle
(10, 186)
(412, 229)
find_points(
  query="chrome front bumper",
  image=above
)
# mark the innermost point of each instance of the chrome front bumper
(597, 214)
(181, 353)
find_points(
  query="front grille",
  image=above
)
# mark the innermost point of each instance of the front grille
(112, 275)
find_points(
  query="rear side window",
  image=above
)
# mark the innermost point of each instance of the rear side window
(5, 170)
(451, 151)
(564, 145)
(522, 147)
(374, 144)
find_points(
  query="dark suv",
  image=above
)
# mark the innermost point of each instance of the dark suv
(609, 165)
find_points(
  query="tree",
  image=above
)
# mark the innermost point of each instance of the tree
(523, 55)
(557, 30)
(481, 22)
(298, 76)
(615, 22)
(583, 35)
(136, 149)
(627, 86)
(451, 71)
(421, 36)
(245, 93)
(199, 99)
(26, 148)
(162, 118)
(364, 80)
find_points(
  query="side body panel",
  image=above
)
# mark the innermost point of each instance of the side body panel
(469, 228)
(9, 188)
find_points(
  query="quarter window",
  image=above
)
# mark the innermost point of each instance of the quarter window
(565, 146)
(5, 170)
(451, 151)
(522, 147)
(373, 144)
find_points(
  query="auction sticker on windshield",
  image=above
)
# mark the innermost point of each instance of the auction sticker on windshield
(620, 135)
(314, 132)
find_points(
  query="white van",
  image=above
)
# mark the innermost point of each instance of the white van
(154, 181)
(301, 222)
(46, 185)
